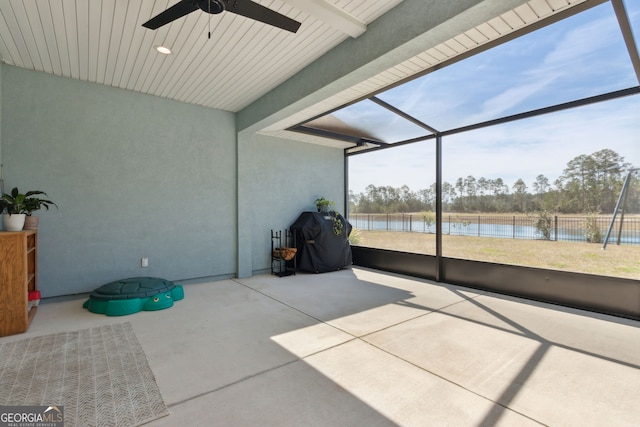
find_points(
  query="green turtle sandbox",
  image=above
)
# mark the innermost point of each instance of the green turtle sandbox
(128, 296)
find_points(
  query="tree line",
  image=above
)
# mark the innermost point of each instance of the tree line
(589, 184)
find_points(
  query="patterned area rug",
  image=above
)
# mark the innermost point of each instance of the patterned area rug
(100, 375)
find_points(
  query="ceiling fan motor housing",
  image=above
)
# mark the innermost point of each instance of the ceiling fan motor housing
(212, 6)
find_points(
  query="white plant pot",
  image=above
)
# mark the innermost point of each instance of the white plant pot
(13, 222)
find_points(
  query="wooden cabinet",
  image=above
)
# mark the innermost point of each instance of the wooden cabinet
(18, 276)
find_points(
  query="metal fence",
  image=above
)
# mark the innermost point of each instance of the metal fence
(533, 227)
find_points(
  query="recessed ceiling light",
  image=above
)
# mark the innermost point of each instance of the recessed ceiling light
(164, 50)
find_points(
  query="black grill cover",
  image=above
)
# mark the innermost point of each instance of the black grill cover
(319, 249)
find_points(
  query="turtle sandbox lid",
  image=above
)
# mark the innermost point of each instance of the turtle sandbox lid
(128, 296)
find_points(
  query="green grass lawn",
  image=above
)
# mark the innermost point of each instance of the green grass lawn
(616, 261)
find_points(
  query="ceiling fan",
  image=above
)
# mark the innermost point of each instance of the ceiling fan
(246, 8)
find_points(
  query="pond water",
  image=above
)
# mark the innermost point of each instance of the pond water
(513, 230)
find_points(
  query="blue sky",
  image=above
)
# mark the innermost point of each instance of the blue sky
(576, 58)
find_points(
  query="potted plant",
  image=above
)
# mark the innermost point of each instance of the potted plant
(326, 206)
(32, 204)
(16, 207)
(11, 206)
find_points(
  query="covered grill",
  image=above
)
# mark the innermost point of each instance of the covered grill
(319, 248)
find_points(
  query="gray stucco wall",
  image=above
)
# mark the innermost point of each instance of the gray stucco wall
(140, 176)
(278, 180)
(133, 175)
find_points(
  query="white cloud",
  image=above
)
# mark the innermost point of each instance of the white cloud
(510, 98)
(580, 44)
(523, 149)
(507, 79)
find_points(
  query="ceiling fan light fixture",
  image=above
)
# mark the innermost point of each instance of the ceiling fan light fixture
(163, 50)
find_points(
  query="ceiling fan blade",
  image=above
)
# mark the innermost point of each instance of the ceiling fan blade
(255, 11)
(176, 11)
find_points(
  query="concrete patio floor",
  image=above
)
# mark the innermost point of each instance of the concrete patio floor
(363, 348)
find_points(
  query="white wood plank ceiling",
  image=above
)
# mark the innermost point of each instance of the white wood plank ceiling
(102, 41)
